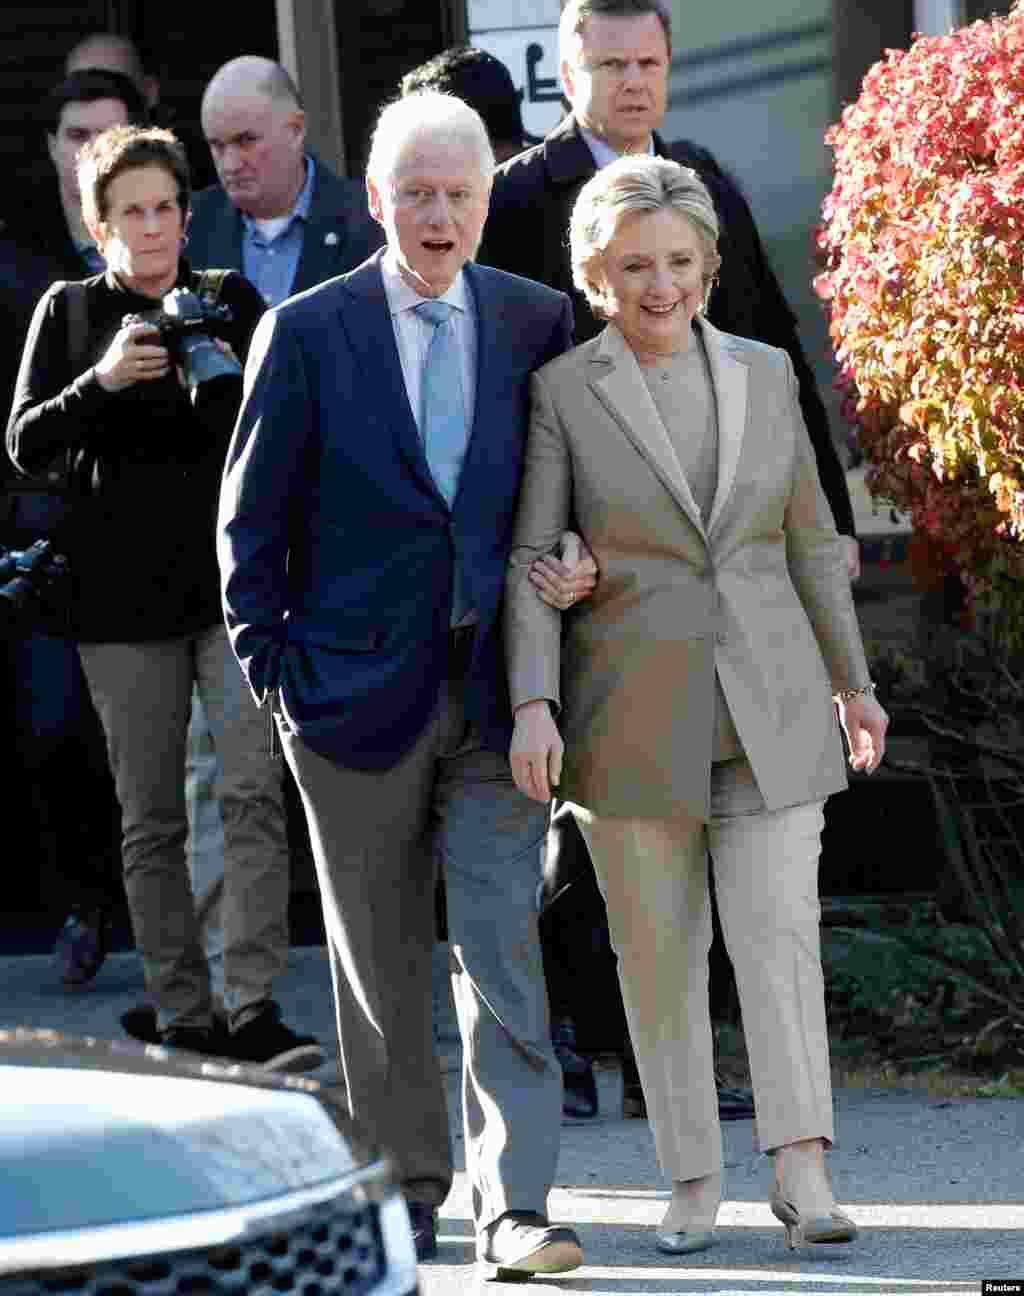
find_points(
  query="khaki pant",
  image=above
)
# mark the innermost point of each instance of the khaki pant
(655, 883)
(143, 693)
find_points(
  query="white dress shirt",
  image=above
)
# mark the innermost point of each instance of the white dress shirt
(603, 153)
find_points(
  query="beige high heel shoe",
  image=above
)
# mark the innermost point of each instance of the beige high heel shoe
(802, 1230)
(699, 1234)
(820, 1223)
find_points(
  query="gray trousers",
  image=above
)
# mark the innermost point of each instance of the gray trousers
(375, 839)
(205, 845)
(143, 694)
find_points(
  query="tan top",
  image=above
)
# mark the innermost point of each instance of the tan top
(685, 400)
(684, 397)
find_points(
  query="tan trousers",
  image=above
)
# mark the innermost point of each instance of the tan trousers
(143, 694)
(654, 876)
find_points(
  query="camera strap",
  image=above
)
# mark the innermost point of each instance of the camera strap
(38, 504)
(210, 284)
(78, 325)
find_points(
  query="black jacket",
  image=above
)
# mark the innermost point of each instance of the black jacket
(35, 251)
(527, 232)
(148, 464)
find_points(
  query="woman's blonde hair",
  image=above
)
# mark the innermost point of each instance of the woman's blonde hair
(637, 182)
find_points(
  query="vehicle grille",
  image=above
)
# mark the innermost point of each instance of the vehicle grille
(337, 1250)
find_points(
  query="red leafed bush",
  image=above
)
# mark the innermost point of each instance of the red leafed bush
(922, 246)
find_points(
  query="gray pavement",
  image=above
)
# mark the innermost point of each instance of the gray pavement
(937, 1185)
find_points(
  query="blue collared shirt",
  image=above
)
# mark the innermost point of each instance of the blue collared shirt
(271, 263)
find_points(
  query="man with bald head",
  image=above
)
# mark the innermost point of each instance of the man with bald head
(278, 214)
(113, 53)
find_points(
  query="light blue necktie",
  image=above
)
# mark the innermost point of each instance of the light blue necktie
(443, 426)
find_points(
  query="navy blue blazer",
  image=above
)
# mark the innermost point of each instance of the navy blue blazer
(336, 547)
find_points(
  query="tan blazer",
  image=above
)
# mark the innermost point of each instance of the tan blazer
(762, 594)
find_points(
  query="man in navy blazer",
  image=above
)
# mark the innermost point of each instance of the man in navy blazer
(365, 523)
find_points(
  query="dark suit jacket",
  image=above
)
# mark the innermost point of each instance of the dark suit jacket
(336, 548)
(340, 233)
(527, 232)
(35, 251)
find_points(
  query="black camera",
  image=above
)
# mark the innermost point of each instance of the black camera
(187, 324)
(29, 581)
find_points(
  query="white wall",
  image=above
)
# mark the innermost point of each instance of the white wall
(754, 84)
(516, 31)
(937, 17)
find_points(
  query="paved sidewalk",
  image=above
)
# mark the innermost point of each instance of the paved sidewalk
(937, 1186)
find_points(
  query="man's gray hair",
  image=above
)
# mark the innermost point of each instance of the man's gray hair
(637, 182)
(576, 12)
(425, 113)
(253, 74)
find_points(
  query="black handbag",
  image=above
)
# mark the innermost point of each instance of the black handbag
(39, 505)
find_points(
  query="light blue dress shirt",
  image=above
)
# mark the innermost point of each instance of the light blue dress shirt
(271, 265)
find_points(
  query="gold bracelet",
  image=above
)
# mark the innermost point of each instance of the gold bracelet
(847, 695)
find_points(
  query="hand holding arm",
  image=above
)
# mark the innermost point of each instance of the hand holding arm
(563, 582)
(536, 751)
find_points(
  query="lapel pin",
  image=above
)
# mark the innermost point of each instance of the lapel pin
(331, 239)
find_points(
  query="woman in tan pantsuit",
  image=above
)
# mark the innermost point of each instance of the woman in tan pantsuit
(695, 690)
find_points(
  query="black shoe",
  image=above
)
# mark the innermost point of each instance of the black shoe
(634, 1104)
(189, 1039)
(81, 946)
(735, 1104)
(140, 1023)
(520, 1243)
(423, 1218)
(579, 1092)
(265, 1041)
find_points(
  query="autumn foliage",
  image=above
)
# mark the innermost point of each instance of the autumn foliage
(922, 246)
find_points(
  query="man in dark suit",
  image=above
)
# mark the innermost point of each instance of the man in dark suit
(365, 523)
(42, 236)
(279, 215)
(615, 57)
(614, 63)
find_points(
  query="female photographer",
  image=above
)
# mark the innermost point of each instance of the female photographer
(147, 456)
